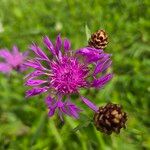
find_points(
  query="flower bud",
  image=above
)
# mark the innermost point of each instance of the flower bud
(110, 118)
(98, 39)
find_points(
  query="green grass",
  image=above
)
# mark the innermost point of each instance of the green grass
(24, 124)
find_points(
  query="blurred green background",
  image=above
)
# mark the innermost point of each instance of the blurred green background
(24, 123)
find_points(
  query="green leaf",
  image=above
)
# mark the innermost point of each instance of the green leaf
(85, 121)
(39, 128)
(80, 126)
(88, 32)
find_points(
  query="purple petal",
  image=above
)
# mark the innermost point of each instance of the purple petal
(89, 103)
(51, 104)
(91, 54)
(70, 112)
(15, 50)
(89, 51)
(5, 54)
(32, 82)
(5, 68)
(25, 54)
(51, 112)
(60, 55)
(74, 111)
(22, 68)
(98, 83)
(106, 65)
(39, 51)
(35, 73)
(49, 45)
(100, 67)
(34, 64)
(60, 104)
(36, 91)
(104, 58)
(49, 101)
(68, 103)
(58, 44)
(67, 45)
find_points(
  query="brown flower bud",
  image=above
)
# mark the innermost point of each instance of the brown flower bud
(110, 118)
(98, 39)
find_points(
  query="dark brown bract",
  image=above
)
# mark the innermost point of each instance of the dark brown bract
(98, 39)
(110, 118)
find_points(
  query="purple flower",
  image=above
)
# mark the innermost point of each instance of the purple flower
(65, 73)
(12, 60)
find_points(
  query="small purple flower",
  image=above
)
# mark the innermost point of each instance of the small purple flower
(12, 61)
(65, 73)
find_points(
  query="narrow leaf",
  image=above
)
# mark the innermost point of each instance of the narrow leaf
(88, 32)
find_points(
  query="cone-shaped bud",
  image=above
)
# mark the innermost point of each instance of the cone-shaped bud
(110, 118)
(98, 39)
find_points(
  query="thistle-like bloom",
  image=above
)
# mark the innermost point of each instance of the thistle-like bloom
(65, 73)
(12, 60)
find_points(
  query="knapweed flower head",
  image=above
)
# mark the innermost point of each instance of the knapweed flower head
(99, 39)
(110, 118)
(12, 60)
(64, 73)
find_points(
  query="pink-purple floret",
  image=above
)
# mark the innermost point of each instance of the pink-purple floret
(12, 60)
(65, 73)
